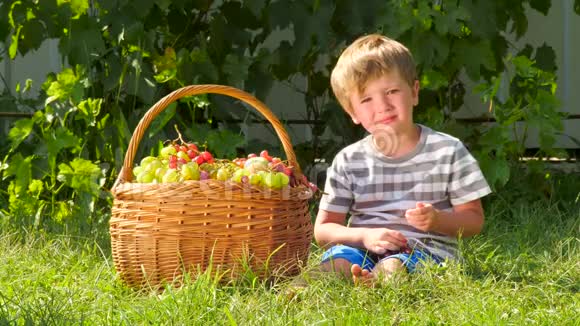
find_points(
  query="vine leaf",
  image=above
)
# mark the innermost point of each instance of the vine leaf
(81, 175)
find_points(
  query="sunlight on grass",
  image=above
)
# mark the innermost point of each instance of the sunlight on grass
(523, 269)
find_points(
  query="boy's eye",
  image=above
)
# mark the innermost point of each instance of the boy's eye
(366, 99)
(391, 91)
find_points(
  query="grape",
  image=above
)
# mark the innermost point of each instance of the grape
(137, 170)
(192, 147)
(222, 174)
(167, 151)
(206, 156)
(160, 172)
(203, 175)
(190, 171)
(265, 155)
(145, 176)
(183, 156)
(256, 164)
(255, 179)
(147, 159)
(170, 176)
(153, 165)
(237, 177)
(284, 179)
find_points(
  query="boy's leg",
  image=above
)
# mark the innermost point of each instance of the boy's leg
(386, 268)
(342, 259)
(339, 266)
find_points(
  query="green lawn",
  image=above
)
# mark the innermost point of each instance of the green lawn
(523, 270)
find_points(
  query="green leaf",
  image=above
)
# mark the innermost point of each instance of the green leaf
(81, 175)
(58, 140)
(451, 20)
(13, 49)
(84, 42)
(236, 68)
(484, 21)
(90, 108)
(577, 7)
(494, 138)
(255, 6)
(432, 79)
(429, 48)
(472, 55)
(21, 130)
(67, 86)
(203, 66)
(78, 7)
(224, 142)
(542, 6)
(525, 67)
(496, 170)
(31, 35)
(20, 168)
(35, 187)
(546, 58)
(359, 16)
(398, 19)
(162, 119)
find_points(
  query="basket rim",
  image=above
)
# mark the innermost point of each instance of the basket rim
(126, 172)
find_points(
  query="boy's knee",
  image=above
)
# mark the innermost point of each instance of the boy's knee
(389, 266)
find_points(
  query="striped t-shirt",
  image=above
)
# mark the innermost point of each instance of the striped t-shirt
(377, 190)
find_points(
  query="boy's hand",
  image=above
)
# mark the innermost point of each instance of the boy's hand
(382, 239)
(423, 217)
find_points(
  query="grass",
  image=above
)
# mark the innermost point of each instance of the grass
(523, 269)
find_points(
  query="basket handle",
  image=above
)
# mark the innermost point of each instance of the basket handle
(126, 173)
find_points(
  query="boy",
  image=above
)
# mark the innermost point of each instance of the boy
(407, 204)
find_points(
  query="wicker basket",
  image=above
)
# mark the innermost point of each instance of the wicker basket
(161, 231)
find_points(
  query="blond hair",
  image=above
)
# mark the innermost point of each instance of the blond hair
(368, 58)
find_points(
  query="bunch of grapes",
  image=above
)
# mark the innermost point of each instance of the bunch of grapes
(183, 162)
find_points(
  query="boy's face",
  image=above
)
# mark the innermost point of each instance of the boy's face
(386, 101)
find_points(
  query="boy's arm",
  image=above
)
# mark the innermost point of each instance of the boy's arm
(465, 219)
(330, 229)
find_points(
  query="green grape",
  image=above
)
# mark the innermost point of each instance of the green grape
(255, 179)
(137, 170)
(222, 174)
(237, 176)
(271, 181)
(190, 171)
(153, 165)
(145, 176)
(146, 160)
(170, 176)
(256, 164)
(168, 151)
(183, 155)
(284, 179)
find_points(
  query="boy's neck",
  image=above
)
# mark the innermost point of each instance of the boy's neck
(407, 141)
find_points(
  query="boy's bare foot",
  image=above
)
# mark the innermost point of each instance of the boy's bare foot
(362, 276)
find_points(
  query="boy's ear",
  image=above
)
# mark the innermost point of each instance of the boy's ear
(416, 88)
(354, 119)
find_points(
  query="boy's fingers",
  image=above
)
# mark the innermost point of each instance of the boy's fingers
(388, 246)
(396, 235)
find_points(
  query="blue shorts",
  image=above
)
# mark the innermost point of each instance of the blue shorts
(368, 260)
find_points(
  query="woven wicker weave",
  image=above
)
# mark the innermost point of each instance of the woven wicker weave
(160, 231)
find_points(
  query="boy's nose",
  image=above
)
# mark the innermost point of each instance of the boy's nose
(384, 104)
